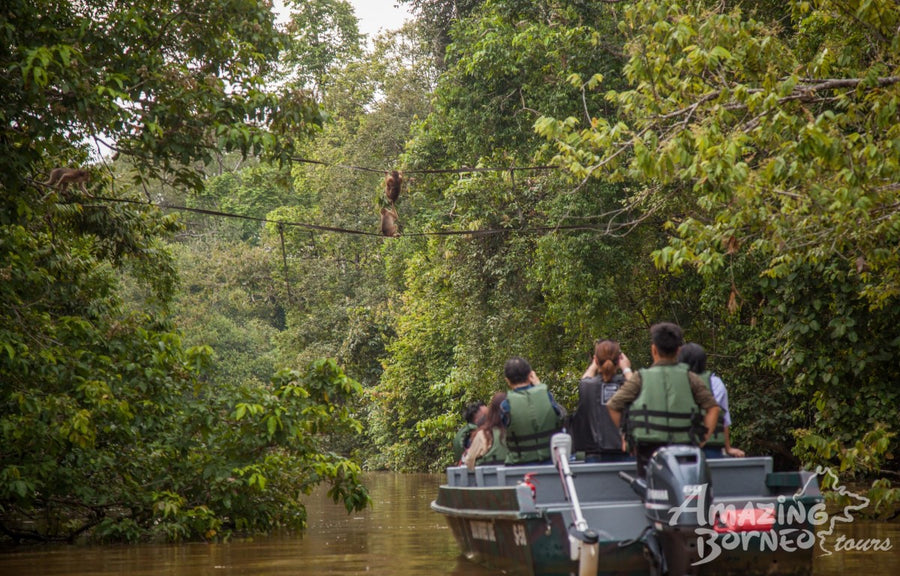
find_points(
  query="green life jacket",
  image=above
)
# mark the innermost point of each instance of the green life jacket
(664, 410)
(717, 438)
(461, 440)
(497, 453)
(532, 421)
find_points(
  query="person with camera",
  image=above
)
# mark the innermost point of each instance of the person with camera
(529, 413)
(662, 400)
(593, 431)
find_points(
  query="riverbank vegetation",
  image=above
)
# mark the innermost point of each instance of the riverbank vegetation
(214, 324)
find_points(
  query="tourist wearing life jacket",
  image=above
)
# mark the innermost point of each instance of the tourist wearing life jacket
(474, 414)
(593, 431)
(719, 444)
(663, 400)
(530, 414)
(489, 441)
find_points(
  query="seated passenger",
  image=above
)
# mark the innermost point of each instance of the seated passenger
(719, 444)
(593, 431)
(530, 414)
(474, 414)
(489, 441)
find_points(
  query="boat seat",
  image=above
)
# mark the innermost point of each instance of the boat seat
(739, 476)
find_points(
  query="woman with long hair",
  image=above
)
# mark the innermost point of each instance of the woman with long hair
(593, 431)
(489, 441)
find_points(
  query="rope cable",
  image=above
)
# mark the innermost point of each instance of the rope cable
(427, 170)
(339, 230)
(282, 223)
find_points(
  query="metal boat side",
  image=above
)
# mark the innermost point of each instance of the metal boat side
(500, 522)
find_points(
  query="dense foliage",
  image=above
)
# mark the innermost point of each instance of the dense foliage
(781, 150)
(110, 426)
(470, 301)
(572, 170)
(735, 166)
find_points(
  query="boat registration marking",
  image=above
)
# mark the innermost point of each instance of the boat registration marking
(483, 530)
(519, 535)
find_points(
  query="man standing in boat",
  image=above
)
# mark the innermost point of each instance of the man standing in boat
(530, 414)
(662, 400)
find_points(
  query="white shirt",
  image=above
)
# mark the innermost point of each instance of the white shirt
(721, 395)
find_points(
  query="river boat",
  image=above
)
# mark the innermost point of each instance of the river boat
(688, 516)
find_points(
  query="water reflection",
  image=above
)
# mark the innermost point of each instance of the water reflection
(398, 536)
(859, 547)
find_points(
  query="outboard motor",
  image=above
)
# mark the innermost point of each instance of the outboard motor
(677, 494)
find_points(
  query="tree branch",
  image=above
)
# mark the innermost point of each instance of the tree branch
(800, 92)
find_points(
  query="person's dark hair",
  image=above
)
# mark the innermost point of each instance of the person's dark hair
(607, 353)
(472, 410)
(517, 370)
(494, 418)
(667, 337)
(694, 356)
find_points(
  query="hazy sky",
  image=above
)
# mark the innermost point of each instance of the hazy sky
(374, 15)
(379, 14)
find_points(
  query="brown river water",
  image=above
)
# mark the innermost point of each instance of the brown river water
(398, 536)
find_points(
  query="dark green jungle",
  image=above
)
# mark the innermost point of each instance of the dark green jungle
(208, 322)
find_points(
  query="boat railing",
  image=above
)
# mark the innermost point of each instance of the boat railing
(600, 482)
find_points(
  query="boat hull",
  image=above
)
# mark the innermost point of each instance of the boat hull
(498, 522)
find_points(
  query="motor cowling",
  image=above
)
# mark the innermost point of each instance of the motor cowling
(678, 498)
(679, 491)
